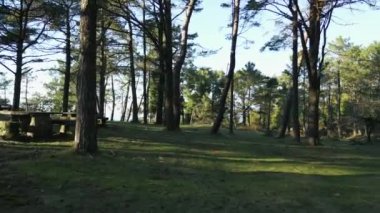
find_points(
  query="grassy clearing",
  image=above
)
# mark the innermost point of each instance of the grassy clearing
(145, 169)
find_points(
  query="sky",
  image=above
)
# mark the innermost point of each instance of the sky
(361, 26)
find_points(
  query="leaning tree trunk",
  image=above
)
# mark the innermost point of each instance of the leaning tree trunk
(85, 129)
(125, 105)
(230, 75)
(130, 112)
(286, 114)
(135, 111)
(179, 63)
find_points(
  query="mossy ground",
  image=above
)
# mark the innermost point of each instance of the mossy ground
(145, 169)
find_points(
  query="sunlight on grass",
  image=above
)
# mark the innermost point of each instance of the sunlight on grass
(304, 169)
(150, 170)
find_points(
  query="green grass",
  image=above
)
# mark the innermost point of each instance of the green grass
(145, 169)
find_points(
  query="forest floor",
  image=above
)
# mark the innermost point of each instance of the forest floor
(145, 169)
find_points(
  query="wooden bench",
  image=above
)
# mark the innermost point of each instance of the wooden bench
(69, 118)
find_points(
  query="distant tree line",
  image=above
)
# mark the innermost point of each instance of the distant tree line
(139, 55)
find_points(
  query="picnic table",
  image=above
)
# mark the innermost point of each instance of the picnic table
(40, 124)
(5, 107)
(34, 124)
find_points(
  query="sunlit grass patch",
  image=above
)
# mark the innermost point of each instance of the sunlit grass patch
(146, 169)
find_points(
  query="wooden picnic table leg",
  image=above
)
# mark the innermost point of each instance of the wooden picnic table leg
(13, 128)
(17, 124)
(65, 128)
(40, 126)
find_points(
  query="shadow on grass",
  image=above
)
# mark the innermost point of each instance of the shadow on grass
(145, 169)
(158, 184)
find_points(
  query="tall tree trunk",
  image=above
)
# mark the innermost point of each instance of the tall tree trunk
(130, 111)
(329, 108)
(160, 97)
(125, 105)
(113, 98)
(369, 124)
(26, 92)
(135, 111)
(103, 69)
(261, 116)
(85, 129)
(231, 127)
(22, 24)
(295, 73)
(339, 94)
(304, 110)
(230, 75)
(269, 113)
(244, 107)
(18, 77)
(141, 102)
(160, 50)
(179, 63)
(249, 117)
(249, 110)
(148, 97)
(66, 84)
(329, 119)
(286, 113)
(312, 58)
(145, 94)
(168, 57)
(313, 114)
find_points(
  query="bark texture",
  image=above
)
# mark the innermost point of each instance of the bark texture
(168, 62)
(311, 54)
(295, 74)
(66, 84)
(85, 129)
(145, 94)
(135, 110)
(230, 75)
(179, 63)
(286, 114)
